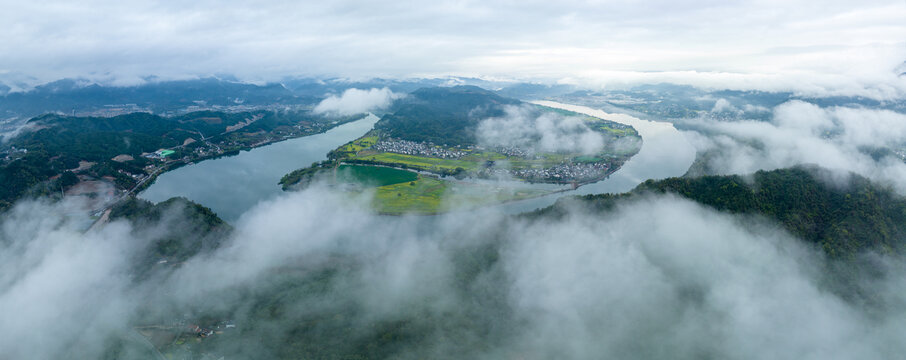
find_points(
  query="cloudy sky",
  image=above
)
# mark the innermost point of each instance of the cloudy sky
(808, 45)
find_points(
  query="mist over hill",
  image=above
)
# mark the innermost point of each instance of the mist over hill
(307, 276)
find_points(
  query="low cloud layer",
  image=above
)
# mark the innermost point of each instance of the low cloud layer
(527, 128)
(815, 47)
(866, 141)
(356, 101)
(659, 277)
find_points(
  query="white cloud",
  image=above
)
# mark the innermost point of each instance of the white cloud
(356, 101)
(803, 133)
(525, 127)
(658, 277)
(810, 46)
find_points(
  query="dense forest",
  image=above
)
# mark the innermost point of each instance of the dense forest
(168, 245)
(68, 95)
(309, 310)
(443, 115)
(842, 217)
(56, 143)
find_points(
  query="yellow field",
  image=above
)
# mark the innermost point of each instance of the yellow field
(419, 162)
(429, 195)
(360, 144)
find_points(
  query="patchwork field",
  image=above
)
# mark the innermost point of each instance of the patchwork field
(417, 162)
(429, 195)
(382, 162)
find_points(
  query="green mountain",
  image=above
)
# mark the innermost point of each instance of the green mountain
(312, 310)
(190, 230)
(443, 115)
(53, 144)
(843, 219)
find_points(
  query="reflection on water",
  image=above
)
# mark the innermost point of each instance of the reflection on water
(232, 185)
(665, 153)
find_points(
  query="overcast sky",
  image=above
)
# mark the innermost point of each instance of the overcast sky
(822, 45)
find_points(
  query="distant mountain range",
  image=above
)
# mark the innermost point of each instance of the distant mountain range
(83, 97)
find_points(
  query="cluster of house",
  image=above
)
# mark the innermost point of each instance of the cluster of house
(200, 331)
(201, 105)
(159, 154)
(417, 148)
(134, 176)
(513, 151)
(13, 152)
(205, 332)
(558, 173)
(112, 110)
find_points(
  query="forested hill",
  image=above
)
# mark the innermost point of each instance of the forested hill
(843, 219)
(99, 138)
(69, 95)
(175, 231)
(443, 115)
(53, 145)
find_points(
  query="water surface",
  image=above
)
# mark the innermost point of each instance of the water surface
(665, 153)
(232, 185)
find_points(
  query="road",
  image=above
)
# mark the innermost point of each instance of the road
(147, 343)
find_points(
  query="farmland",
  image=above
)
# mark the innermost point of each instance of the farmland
(429, 195)
(435, 132)
(373, 175)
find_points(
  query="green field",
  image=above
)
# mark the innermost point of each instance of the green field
(468, 163)
(429, 195)
(373, 175)
(423, 196)
(360, 144)
(360, 150)
(419, 162)
(398, 191)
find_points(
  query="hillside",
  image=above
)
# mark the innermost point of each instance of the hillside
(844, 220)
(87, 146)
(443, 115)
(69, 95)
(335, 322)
(176, 230)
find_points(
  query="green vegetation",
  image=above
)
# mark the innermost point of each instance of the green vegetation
(435, 165)
(424, 196)
(409, 139)
(318, 309)
(430, 195)
(190, 229)
(842, 219)
(373, 175)
(56, 144)
(302, 177)
(353, 147)
(443, 115)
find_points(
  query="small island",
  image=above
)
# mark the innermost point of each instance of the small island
(448, 148)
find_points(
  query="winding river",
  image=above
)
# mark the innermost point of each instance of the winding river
(665, 153)
(232, 185)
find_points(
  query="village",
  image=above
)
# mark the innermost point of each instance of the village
(566, 171)
(418, 149)
(173, 337)
(563, 172)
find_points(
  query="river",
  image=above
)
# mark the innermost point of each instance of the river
(232, 185)
(665, 153)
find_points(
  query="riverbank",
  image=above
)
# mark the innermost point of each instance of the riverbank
(231, 185)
